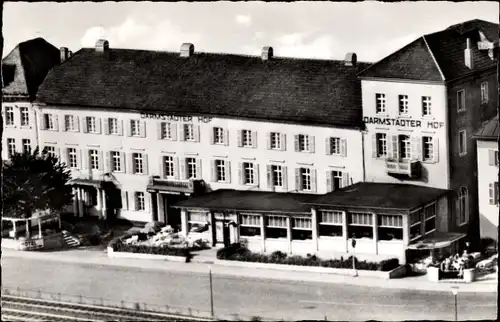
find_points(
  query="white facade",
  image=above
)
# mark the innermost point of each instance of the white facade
(412, 119)
(219, 156)
(487, 176)
(19, 127)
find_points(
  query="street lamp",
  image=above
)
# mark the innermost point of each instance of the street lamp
(353, 243)
(211, 292)
(454, 290)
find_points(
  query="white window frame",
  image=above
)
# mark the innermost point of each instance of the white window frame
(9, 116)
(462, 150)
(420, 218)
(94, 159)
(138, 162)
(248, 173)
(403, 104)
(116, 161)
(25, 116)
(330, 218)
(166, 130)
(428, 147)
(218, 134)
(461, 101)
(484, 92)
(140, 201)
(135, 128)
(26, 143)
(113, 126)
(49, 121)
(69, 122)
(275, 221)
(246, 138)
(426, 106)
(335, 145)
(11, 146)
(275, 138)
(404, 142)
(463, 210)
(91, 123)
(380, 103)
(392, 221)
(305, 179)
(169, 166)
(220, 170)
(304, 143)
(433, 217)
(493, 193)
(277, 175)
(360, 219)
(188, 129)
(337, 176)
(381, 139)
(72, 158)
(191, 168)
(252, 221)
(51, 150)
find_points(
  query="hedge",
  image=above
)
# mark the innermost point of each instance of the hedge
(240, 253)
(153, 250)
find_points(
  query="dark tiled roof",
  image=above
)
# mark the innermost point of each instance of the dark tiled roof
(255, 201)
(442, 51)
(489, 130)
(26, 66)
(380, 196)
(296, 90)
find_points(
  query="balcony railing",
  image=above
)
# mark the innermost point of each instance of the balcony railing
(410, 168)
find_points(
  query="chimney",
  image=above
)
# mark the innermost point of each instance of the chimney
(187, 50)
(64, 54)
(468, 56)
(267, 53)
(70, 53)
(102, 46)
(351, 59)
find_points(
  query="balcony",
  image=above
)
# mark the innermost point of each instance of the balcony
(191, 186)
(404, 168)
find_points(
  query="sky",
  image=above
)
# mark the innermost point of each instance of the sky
(323, 30)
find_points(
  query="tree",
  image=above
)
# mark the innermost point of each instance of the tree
(35, 181)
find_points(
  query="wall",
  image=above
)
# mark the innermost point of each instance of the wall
(488, 213)
(17, 131)
(443, 215)
(434, 174)
(156, 148)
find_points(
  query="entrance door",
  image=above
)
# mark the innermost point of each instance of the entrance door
(219, 231)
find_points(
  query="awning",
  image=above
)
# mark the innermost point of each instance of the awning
(86, 182)
(436, 241)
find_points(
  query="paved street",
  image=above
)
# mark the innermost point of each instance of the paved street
(246, 296)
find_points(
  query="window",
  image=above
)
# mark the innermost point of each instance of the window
(404, 147)
(49, 121)
(335, 147)
(69, 123)
(426, 106)
(220, 170)
(305, 179)
(250, 225)
(26, 146)
(113, 126)
(461, 100)
(9, 115)
(493, 193)
(166, 131)
(116, 161)
(197, 221)
(330, 223)
(218, 135)
(246, 136)
(94, 159)
(493, 157)
(303, 143)
(11, 147)
(337, 177)
(380, 103)
(138, 163)
(416, 224)
(276, 227)
(25, 116)
(428, 144)
(91, 124)
(275, 141)
(462, 143)
(277, 175)
(168, 166)
(191, 168)
(360, 225)
(248, 173)
(484, 92)
(403, 104)
(381, 145)
(72, 160)
(135, 128)
(390, 227)
(430, 218)
(140, 204)
(301, 228)
(463, 205)
(189, 132)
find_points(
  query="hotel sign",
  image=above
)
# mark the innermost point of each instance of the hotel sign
(403, 123)
(176, 118)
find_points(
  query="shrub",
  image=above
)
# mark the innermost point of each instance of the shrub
(388, 264)
(153, 250)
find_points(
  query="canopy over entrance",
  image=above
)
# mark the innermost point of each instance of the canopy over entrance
(436, 241)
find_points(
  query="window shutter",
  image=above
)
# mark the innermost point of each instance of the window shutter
(296, 143)
(123, 162)
(108, 167)
(345, 179)
(491, 157)
(130, 162)
(84, 125)
(106, 126)
(254, 139)
(77, 123)
(143, 130)
(240, 139)
(85, 159)
(43, 125)
(297, 179)
(120, 127)
(269, 170)
(226, 137)
(182, 168)
(78, 158)
(145, 163)
(64, 156)
(173, 131)
(457, 207)
(313, 180)
(131, 198)
(312, 144)
(227, 166)
(416, 147)
(285, 177)
(56, 122)
(328, 146)
(58, 153)
(268, 140)
(64, 123)
(159, 130)
(435, 149)
(199, 169)
(374, 146)
(176, 167)
(212, 136)
(256, 174)
(98, 124)
(240, 173)
(213, 171)
(101, 160)
(181, 133)
(395, 150)
(124, 200)
(495, 186)
(196, 129)
(329, 182)
(492, 193)
(283, 141)
(129, 128)
(147, 202)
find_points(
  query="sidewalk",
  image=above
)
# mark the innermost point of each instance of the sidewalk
(202, 264)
